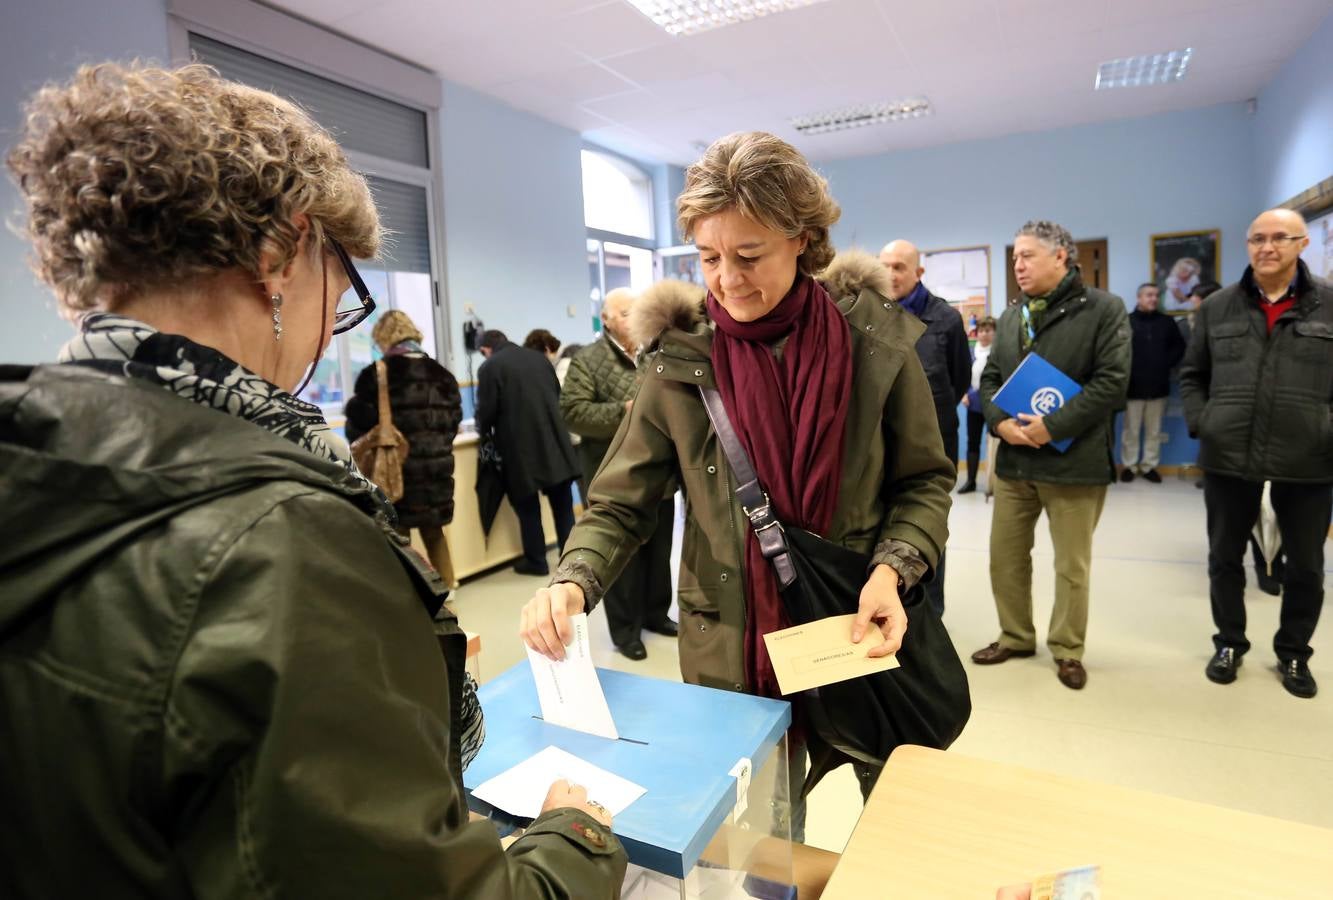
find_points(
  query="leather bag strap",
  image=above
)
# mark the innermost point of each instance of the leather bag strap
(754, 502)
(382, 385)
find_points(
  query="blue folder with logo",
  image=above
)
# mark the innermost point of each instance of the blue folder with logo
(1037, 388)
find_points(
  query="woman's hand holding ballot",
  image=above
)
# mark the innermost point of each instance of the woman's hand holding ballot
(881, 604)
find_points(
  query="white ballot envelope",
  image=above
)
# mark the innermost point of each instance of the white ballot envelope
(522, 789)
(822, 652)
(569, 691)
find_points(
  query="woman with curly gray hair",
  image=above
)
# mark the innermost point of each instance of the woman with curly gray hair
(218, 673)
(818, 374)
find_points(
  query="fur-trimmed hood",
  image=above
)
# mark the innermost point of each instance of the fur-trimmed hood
(680, 304)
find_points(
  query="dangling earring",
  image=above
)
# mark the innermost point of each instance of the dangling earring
(276, 300)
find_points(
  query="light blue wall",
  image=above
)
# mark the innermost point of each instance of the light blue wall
(43, 42)
(513, 216)
(1119, 180)
(1293, 129)
(1122, 181)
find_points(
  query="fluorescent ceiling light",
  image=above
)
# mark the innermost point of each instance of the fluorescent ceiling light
(1141, 71)
(686, 17)
(860, 116)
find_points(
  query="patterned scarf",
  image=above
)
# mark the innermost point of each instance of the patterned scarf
(403, 348)
(203, 375)
(1036, 307)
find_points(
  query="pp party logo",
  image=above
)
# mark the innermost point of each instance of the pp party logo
(1047, 400)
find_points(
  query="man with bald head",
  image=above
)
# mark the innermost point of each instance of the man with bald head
(597, 393)
(944, 353)
(1257, 384)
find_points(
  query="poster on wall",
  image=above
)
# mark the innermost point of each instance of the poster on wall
(680, 263)
(961, 276)
(1319, 255)
(1182, 260)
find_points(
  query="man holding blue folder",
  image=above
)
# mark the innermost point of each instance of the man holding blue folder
(1056, 376)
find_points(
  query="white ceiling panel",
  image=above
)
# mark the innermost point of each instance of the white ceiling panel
(990, 67)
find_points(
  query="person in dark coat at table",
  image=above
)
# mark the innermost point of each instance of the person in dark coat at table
(518, 397)
(427, 409)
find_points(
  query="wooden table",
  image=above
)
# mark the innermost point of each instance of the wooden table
(940, 825)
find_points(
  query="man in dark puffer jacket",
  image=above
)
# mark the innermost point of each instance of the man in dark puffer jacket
(1257, 383)
(427, 409)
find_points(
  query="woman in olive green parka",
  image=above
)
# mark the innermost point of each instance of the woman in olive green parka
(760, 216)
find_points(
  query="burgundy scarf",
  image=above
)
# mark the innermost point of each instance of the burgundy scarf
(790, 415)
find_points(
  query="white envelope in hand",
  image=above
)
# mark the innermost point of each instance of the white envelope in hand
(822, 652)
(569, 691)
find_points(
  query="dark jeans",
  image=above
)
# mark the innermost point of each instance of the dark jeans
(798, 765)
(934, 589)
(642, 594)
(1303, 512)
(976, 430)
(529, 510)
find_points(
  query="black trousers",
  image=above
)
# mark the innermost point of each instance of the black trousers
(976, 430)
(642, 594)
(1303, 512)
(529, 510)
(934, 589)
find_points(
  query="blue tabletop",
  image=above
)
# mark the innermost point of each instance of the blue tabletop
(679, 741)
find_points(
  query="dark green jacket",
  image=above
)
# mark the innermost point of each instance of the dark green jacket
(1085, 334)
(601, 378)
(895, 476)
(1262, 404)
(218, 674)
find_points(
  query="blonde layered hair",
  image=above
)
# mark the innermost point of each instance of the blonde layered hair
(136, 177)
(768, 181)
(394, 327)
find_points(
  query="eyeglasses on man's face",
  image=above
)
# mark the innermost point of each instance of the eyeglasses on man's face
(347, 316)
(1277, 240)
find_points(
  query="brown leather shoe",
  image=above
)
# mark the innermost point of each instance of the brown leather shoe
(1071, 673)
(993, 654)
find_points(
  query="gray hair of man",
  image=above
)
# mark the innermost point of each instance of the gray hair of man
(1053, 236)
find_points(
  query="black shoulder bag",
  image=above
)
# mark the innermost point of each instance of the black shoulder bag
(926, 701)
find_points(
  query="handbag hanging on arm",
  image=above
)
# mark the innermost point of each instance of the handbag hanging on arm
(925, 701)
(380, 452)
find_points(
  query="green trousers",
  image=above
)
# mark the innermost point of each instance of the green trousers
(1073, 511)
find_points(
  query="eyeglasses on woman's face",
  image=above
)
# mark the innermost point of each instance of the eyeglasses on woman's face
(348, 316)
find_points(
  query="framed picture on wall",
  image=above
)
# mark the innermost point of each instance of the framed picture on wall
(960, 275)
(680, 263)
(1181, 260)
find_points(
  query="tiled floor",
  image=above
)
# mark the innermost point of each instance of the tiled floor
(1148, 718)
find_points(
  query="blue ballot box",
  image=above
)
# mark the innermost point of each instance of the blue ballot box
(681, 742)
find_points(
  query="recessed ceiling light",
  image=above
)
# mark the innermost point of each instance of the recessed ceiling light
(686, 17)
(1141, 71)
(860, 116)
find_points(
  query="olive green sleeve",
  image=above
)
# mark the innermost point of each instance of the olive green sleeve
(637, 472)
(584, 414)
(1104, 391)
(918, 476)
(309, 734)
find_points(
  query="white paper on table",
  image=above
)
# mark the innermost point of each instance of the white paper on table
(522, 789)
(569, 691)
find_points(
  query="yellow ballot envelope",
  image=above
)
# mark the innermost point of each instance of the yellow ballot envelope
(822, 652)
